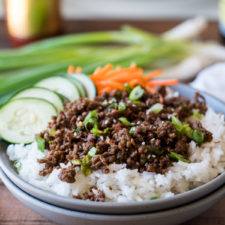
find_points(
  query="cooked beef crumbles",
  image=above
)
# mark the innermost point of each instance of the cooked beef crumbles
(145, 131)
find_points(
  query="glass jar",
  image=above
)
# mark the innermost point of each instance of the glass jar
(29, 20)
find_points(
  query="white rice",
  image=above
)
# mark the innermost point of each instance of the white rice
(125, 185)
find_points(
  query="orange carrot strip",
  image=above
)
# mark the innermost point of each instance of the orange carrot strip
(153, 74)
(149, 89)
(78, 70)
(136, 82)
(162, 82)
(112, 84)
(71, 69)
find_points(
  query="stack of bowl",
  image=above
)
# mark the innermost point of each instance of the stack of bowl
(63, 210)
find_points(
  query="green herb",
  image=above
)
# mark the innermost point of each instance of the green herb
(50, 142)
(91, 118)
(154, 198)
(137, 102)
(177, 123)
(136, 93)
(76, 162)
(122, 106)
(197, 114)
(41, 143)
(152, 150)
(78, 130)
(92, 151)
(52, 132)
(86, 162)
(177, 156)
(18, 165)
(184, 107)
(127, 87)
(125, 121)
(198, 136)
(112, 106)
(156, 108)
(187, 130)
(105, 130)
(132, 129)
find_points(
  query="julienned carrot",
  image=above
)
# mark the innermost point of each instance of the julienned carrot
(154, 83)
(153, 74)
(107, 79)
(71, 69)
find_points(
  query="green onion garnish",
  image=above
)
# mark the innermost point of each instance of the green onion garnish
(127, 87)
(18, 165)
(198, 136)
(197, 114)
(122, 106)
(132, 129)
(154, 198)
(92, 151)
(136, 93)
(41, 143)
(177, 123)
(156, 108)
(125, 121)
(184, 107)
(187, 130)
(177, 156)
(112, 106)
(152, 150)
(91, 118)
(105, 130)
(52, 132)
(76, 162)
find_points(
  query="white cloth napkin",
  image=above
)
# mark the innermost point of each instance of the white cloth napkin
(212, 80)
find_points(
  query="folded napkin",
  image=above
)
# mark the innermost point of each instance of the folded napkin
(212, 80)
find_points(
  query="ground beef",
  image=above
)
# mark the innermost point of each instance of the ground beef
(144, 144)
(94, 194)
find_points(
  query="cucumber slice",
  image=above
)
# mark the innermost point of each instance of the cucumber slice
(37, 92)
(62, 86)
(88, 85)
(22, 118)
(78, 84)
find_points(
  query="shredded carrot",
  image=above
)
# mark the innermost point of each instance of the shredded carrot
(78, 70)
(71, 69)
(154, 83)
(153, 74)
(107, 79)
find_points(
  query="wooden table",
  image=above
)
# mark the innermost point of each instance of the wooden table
(12, 212)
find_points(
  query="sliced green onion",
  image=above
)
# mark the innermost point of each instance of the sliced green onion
(184, 107)
(154, 198)
(197, 114)
(105, 130)
(132, 129)
(187, 130)
(112, 106)
(76, 162)
(177, 123)
(50, 142)
(92, 151)
(156, 108)
(198, 136)
(91, 118)
(125, 121)
(85, 165)
(177, 156)
(152, 150)
(78, 130)
(122, 106)
(52, 132)
(136, 93)
(18, 165)
(41, 143)
(127, 87)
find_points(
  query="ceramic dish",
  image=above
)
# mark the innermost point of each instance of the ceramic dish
(69, 217)
(120, 208)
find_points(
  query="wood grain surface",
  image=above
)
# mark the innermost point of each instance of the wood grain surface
(12, 212)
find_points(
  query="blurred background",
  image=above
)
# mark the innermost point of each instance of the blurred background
(75, 9)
